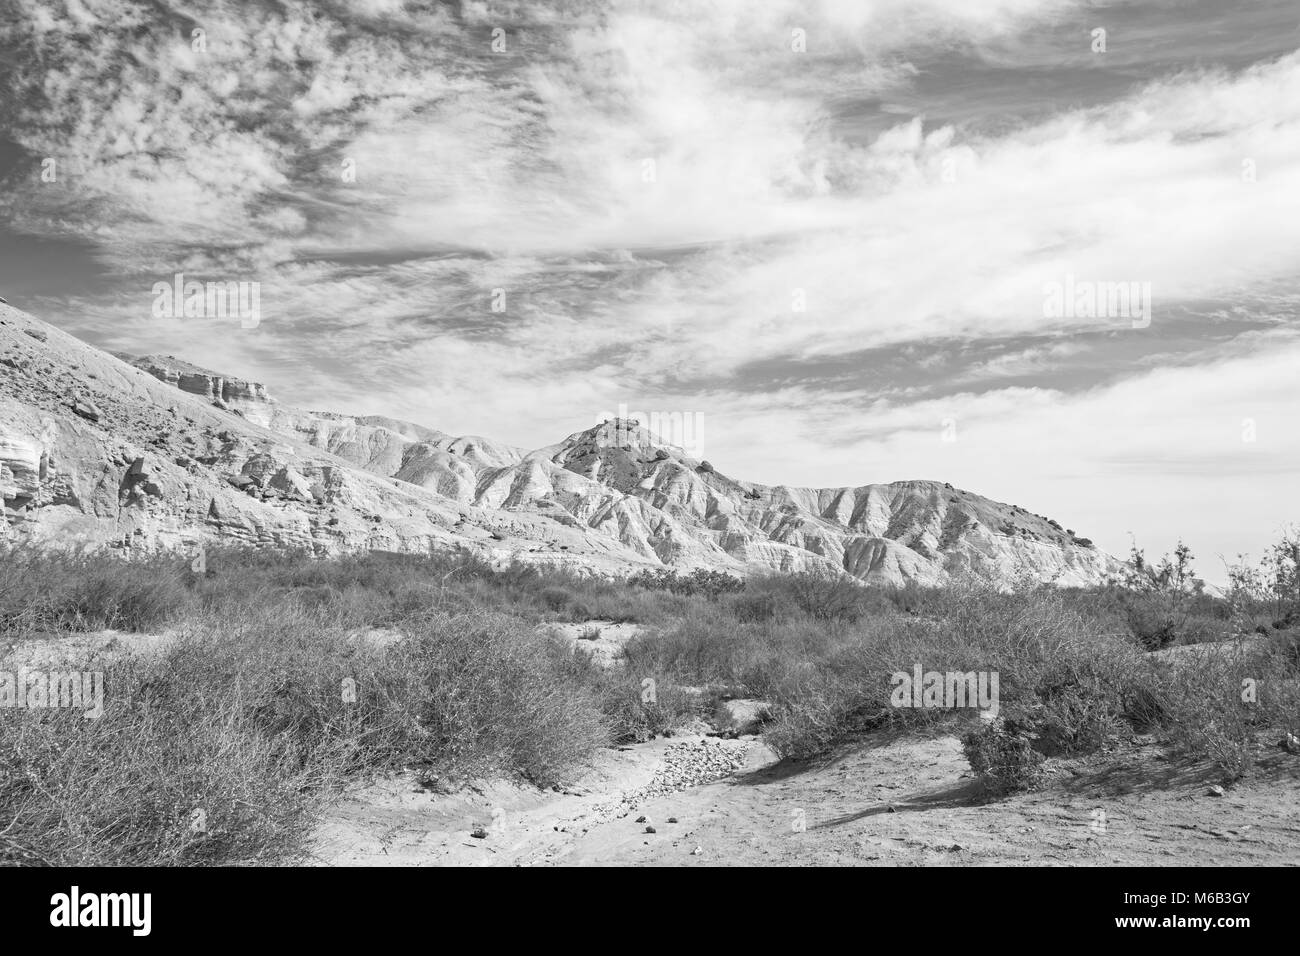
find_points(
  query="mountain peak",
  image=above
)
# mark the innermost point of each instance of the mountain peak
(156, 452)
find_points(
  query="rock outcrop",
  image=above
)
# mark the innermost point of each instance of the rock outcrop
(153, 452)
(201, 382)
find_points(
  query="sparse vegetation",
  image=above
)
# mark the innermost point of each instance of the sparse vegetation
(245, 715)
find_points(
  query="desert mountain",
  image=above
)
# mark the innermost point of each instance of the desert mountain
(153, 452)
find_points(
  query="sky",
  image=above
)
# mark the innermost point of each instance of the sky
(828, 233)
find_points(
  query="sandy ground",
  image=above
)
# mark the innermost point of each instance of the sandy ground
(1228, 649)
(887, 801)
(77, 649)
(80, 649)
(603, 640)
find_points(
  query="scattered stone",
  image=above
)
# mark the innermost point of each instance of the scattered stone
(86, 409)
(1291, 744)
(697, 851)
(640, 820)
(649, 830)
(478, 833)
(1215, 791)
(672, 819)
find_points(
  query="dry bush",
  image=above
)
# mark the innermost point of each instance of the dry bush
(78, 591)
(247, 719)
(1004, 758)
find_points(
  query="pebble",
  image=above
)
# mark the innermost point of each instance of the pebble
(688, 764)
(685, 764)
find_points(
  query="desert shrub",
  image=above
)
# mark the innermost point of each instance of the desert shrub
(1151, 622)
(578, 612)
(184, 766)
(483, 694)
(556, 599)
(1226, 705)
(1003, 757)
(639, 715)
(148, 783)
(751, 606)
(79, 591)
(1069, 685)
(256, 715)
(1166, 604)
(1283, 652)
(1076, 722)
(268, 641)
(825, 597)
(704, 582)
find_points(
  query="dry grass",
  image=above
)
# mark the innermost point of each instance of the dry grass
(223, 748)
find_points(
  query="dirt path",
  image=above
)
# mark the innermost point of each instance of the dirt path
(885, 802)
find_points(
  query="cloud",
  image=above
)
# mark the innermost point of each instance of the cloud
(682, 212)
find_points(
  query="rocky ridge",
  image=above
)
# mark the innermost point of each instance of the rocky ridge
(154, 452)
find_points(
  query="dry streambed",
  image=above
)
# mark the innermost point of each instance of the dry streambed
(888, 801)
(702, 800)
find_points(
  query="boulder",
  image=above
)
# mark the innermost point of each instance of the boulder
(87, 409)
(292, 485)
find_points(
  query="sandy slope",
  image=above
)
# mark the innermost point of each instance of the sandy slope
(1157, 812)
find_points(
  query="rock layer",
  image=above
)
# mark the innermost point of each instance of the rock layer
(153, 452)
